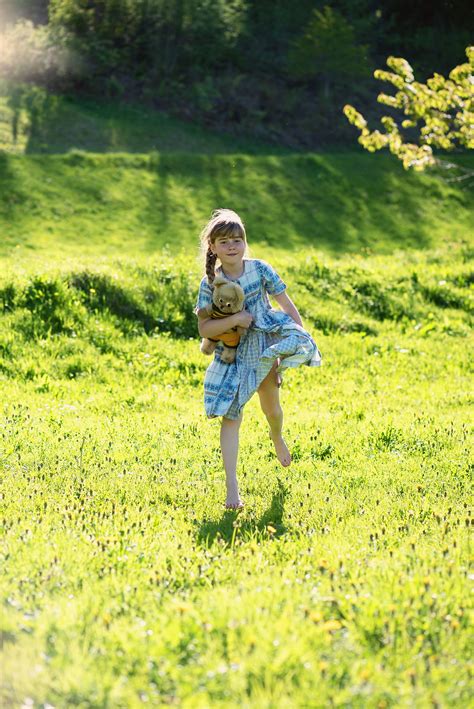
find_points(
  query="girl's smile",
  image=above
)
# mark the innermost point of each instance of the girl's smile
(230, 250)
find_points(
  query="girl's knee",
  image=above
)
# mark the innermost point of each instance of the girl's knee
(231, 422)
(273, 412)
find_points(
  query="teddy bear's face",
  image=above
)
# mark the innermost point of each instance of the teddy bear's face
(227, 296)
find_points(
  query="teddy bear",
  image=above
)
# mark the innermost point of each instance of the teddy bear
(227, 299)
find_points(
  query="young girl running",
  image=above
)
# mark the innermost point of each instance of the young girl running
(272, 341)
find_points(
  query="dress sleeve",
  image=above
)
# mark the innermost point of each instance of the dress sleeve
(204, 296)
(271, 280)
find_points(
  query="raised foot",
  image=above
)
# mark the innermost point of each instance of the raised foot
(281, 449)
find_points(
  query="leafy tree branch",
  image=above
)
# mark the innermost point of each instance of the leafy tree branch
(442, 111)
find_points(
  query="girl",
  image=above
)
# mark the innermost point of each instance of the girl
(271, 336)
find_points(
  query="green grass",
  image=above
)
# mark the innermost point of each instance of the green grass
(67, 190)
(64, 124)
(82, 205)
(344, 582)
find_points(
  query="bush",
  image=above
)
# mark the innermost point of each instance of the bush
(8, 296)
(52, 308)
(162, 303)
(379, 301)
(445, 297)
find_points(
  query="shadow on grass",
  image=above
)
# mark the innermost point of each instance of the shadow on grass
(13, 194)
(54, 124)
(341, 202)
(237, 525)
(333, 202)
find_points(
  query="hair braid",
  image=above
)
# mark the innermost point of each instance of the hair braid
(210, 266)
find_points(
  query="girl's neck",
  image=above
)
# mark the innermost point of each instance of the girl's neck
(234, 271)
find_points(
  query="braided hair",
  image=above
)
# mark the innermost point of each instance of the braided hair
(223, 222)
(210, 266)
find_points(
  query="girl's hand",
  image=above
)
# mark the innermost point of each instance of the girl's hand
(243, 319)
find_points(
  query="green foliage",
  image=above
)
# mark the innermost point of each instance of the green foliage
(34, 120)
(30, 54)
(32, 112)
(328, 49)
(51, 309)
(247, 67)
(397, 297)
(443, 106)
(69, 303)
(155, 37)
(164, 304)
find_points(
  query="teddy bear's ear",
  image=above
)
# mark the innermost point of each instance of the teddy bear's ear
(219, 281)
(240, 297)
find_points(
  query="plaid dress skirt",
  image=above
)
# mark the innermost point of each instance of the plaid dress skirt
(273, 335)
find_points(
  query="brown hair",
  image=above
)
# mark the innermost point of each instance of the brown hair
(223, 222)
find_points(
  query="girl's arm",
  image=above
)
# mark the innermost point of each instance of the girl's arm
(208, 327)
(288, 307)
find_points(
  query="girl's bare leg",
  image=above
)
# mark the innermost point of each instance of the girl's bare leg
(230, 449)
(269, 394)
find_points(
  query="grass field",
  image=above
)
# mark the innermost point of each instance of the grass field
(345, 581)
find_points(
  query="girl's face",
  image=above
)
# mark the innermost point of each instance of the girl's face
(229, 249)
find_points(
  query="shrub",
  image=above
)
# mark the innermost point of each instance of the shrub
(376, 299)
(163, 303)
(8, 296)
(51, 308)
(445, 297)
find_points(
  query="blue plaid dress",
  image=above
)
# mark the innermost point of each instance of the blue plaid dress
(273, 334)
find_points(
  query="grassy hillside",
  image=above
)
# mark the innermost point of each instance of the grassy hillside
(71, 191)
(54, 124)
(81, 204)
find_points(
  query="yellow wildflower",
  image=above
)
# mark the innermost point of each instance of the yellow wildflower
(331, 625)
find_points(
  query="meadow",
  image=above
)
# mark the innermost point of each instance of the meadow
(345, 580)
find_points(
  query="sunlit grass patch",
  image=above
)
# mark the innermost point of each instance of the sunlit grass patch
(344, 578)
(93, 205)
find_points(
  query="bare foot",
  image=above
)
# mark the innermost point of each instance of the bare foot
(283, 454)
(232, 505)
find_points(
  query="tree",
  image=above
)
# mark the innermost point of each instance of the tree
(443, 107)
(139, 39)
(328, 51)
